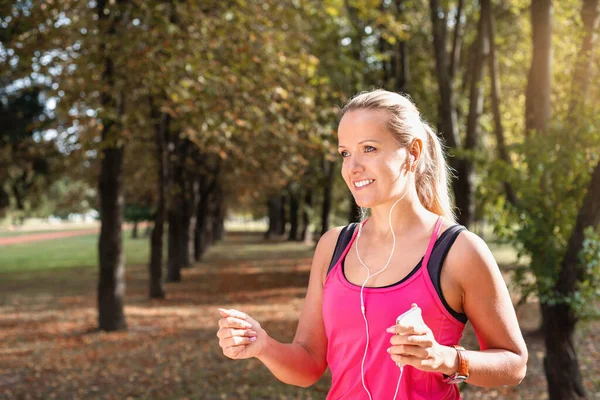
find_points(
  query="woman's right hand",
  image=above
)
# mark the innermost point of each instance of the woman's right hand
(240, 336)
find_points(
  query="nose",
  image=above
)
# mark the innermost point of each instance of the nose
(354, 165)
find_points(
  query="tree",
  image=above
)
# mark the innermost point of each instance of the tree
(111, 285)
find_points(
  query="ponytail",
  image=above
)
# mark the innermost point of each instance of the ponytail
(431, 180)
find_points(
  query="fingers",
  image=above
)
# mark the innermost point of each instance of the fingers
(407, 329)
(414, 340)
(225, 333)
(231, 322)
(233, 313)
(404, 350)
(235, 341)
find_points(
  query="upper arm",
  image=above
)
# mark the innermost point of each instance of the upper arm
(486, 299)
(311, 329)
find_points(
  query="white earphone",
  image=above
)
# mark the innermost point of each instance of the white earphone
(362, 303)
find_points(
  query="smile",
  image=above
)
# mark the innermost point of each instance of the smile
(366, 182)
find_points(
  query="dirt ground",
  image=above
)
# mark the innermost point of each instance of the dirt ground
(49, 348)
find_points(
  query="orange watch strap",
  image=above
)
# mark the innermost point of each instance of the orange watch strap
(463, 360)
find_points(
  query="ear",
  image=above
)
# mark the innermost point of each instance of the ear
(415, 151)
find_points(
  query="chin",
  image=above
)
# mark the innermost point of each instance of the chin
(365, 203)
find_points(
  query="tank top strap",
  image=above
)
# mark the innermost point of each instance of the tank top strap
(434, 235)
(436, 261)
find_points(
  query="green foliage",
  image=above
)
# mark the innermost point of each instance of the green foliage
(588, 291)
(555, 169)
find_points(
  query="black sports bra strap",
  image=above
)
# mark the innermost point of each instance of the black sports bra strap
(438, 256)
(342, 241)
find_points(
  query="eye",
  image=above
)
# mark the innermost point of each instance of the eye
(342, 153)
(369, 147)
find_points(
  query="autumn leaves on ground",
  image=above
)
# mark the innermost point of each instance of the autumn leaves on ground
(49, 347)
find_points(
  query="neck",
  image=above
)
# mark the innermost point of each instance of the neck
(408, 216)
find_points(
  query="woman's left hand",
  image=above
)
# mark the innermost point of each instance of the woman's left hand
(415, 345)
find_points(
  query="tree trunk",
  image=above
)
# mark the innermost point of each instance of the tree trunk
(175, 241)
(306, 235)
(282, 215)
(293, 236)
(161, 129)
(447, 110)
(218, 215)
(134, 230)
(465, 188)
(537, 102)
(456, 40)
(111, 286)
(274, 211)
(178, 217)
(560, 362)
(582, 75)
(495, 94)
(192, 199)
(401, 70)
(327, 193)
(111, 283)
(203, 220)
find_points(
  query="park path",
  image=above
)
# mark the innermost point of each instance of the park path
(39, 237)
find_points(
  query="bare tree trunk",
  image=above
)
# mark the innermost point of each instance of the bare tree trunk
(495, 86)
(282, 215)
(327, 193)
(192, 199)
(306, 235)
(294, 209)
(161, 128)
(200, 242)
(457, 39)
(447, 110)
(539, 81)
(219, 215)
(465, 198)
(582, 75)
(178, 225)
(111, 283)
(276, 223)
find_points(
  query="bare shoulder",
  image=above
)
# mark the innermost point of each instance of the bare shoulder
(470, 259)
(325, 249)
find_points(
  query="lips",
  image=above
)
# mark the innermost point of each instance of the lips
(362, 183)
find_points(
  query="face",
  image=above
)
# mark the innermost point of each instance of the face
(375, 166)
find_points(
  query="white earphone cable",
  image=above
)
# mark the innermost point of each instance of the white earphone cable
(362, 304)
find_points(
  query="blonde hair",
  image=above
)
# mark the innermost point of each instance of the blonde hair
(405, 123)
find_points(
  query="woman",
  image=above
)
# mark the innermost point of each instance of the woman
(417, 254)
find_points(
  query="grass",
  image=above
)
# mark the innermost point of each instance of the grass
(80, 251)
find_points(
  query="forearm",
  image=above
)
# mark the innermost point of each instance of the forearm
(291, 363)
(491, 368)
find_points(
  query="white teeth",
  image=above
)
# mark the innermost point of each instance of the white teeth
(363, 183)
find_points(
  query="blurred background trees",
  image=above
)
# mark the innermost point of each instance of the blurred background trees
(181, 113)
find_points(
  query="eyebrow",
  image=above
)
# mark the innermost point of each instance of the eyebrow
(368, 140)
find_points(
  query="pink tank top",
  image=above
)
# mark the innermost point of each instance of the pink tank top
(346, 335)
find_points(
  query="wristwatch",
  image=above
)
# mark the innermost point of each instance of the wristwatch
(463, 367)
